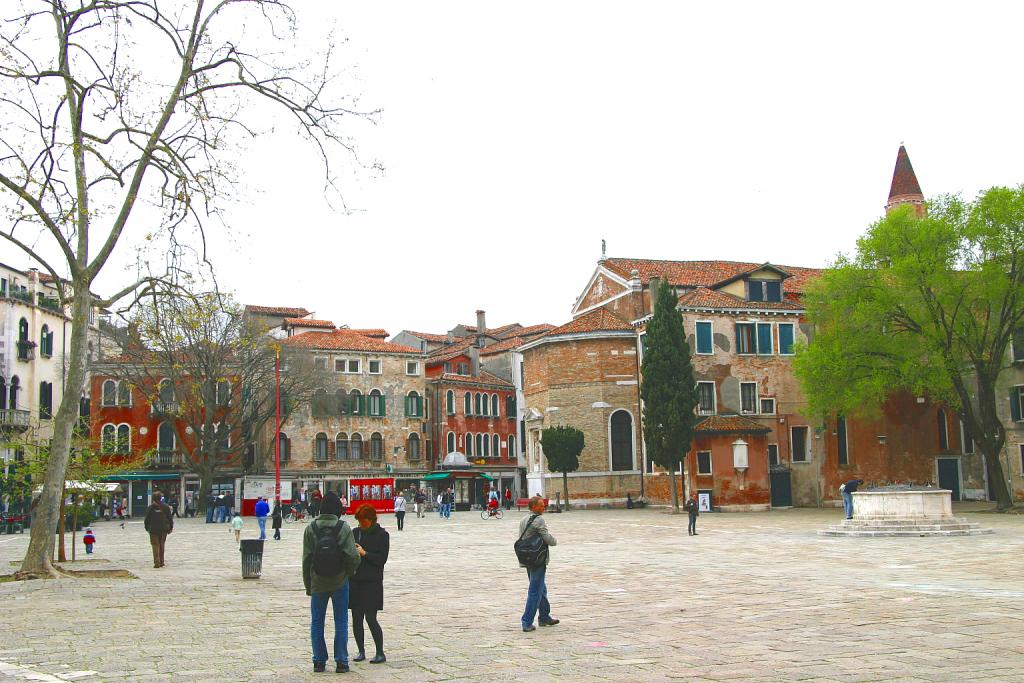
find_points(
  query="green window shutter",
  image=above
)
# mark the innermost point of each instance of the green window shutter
(764, 339)
(1015, 404)
(418, 401)
(382, 406)
(704, 340)
(786, 339)
(360, 405)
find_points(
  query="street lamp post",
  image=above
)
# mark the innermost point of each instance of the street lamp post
(277, 430)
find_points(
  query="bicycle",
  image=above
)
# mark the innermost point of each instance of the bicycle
(295, 516)
(486, 513)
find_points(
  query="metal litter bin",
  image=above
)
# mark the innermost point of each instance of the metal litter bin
(252, 558)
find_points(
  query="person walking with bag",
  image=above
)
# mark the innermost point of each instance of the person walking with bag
(277, 517)
(329, 560)
(418, 502)
(537, 594)
(367, 598)
(692, 508)
(158, 522)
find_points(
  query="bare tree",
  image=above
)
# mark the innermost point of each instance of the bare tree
(109, 104)
(210, 375)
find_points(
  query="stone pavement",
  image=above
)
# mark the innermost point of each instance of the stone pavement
(754, 597)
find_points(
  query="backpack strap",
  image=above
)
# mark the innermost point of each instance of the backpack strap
(528, 526)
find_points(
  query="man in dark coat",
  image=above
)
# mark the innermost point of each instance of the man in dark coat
(848, 490)
(159, 522)
(692, 507)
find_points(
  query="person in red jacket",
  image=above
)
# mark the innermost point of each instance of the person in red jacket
(89, 539)
(508, 499)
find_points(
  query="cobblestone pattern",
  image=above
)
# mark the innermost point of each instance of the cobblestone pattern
(754, 597)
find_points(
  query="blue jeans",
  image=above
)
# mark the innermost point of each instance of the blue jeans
(209, 514)
(536, 597)
(262, 521)
(848, 504)
(447, 510)
(318, 609)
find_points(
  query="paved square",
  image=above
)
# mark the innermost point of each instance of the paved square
(754, 597)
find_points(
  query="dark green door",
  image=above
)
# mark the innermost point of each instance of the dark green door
(140, 498)
(782, 489)
(949, 476)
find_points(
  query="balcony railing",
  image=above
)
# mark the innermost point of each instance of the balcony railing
(161, 407)
(26, 350)
(166, 459)
(14, 419)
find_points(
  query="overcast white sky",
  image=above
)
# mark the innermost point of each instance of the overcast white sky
(517, 135)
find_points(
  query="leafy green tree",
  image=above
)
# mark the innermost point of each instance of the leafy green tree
(927, 305)
(668, 388)
(562, 447)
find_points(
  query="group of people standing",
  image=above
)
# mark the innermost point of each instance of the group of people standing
(345, 567)
(220, 507)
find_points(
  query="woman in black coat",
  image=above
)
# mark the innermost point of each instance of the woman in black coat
(276, 517)
(366, 596)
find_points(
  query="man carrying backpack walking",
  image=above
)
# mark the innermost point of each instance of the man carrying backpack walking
(329, 559)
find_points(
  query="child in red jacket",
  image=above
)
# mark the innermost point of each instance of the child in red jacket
(89, 539)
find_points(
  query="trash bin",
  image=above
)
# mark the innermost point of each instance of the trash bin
(252, 558)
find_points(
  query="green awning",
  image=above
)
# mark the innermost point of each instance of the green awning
(487, 476)
(434, 476)
(141, 476)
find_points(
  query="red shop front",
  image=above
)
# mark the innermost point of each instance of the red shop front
(379, 493)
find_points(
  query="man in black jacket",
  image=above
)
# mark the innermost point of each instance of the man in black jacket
(692, 507)
(848, 490)
(159, 522)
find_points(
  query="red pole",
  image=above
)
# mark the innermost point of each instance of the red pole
(277, 431)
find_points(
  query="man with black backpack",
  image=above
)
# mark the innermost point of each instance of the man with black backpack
(534, 550)
(329, 559)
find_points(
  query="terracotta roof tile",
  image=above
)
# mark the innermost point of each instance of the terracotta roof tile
(446, 353)
(730, 424)
(484, 378)
(308, 322)
(534, 330)
(428, 336)
(702, 297)
(502, 346)
(345, 340)
(375, 333)
(495, 331)
(703, 273)
(284, 311)
(598, 320)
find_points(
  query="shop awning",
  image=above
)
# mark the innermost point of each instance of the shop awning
(433, 476)
(142, 476)
(466, 474)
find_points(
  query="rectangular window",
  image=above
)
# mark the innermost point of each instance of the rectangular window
(1015, 403)
(748, 398)
(773, 454)
(1018, 345)
(462, 369)
(339, 365)
(764, 339)
(966, 438)
(746, 338)
(353, 366)
(374, 367)
(798, 442)
(786, 337)
(773, 290)
(843, 446)
(447, 367)
(706, 398)
(320, 363)
(412, 367)
(705, 338)
(767, 406)
(755, 290)
(703, 463)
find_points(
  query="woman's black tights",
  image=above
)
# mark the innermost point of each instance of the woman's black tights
(373, 624)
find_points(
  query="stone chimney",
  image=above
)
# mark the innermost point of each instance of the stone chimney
(652, 291)
(474, 360)
(481, 328)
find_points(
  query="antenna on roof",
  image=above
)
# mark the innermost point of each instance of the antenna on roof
(604, 249)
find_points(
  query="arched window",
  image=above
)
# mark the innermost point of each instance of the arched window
(469, 403)
(124, 439)
(320, 447)
(222, 392)
(510, 406)
(356, 403)
(355, 447)
(165, 437)
(284, 446)
(319, 403)
(45, 342)
(341, 406)
(496, 442)
(110, 393)
(3, 394)
(376, 404)
(485, 400)
(23, 330)
(478, 409)
(622, 441)
(376, 446)
(166, 391)
(449, 402)
(486, 443)
(512, 447)
(414, 405)
(494, 405)
(12, 394)
(469, 445)
(481, 439)
(413, 447)
(451, 442)
(341, 446)
(108, 442)
(943, 432)
(124, 394)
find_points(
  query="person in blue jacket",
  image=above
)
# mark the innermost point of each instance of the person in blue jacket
(261, 511)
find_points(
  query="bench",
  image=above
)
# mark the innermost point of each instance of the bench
(525, 502)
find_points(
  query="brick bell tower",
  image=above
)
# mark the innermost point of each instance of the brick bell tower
(905, 189)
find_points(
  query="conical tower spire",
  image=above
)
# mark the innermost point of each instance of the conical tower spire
(905, 189)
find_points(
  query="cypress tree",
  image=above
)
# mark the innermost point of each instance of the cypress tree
(667, 388)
